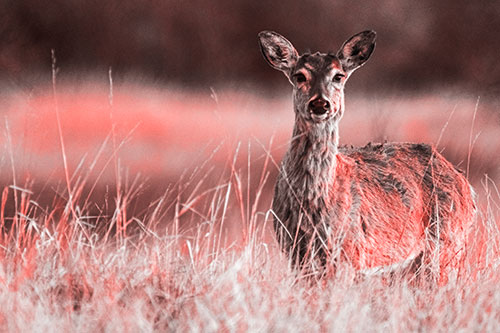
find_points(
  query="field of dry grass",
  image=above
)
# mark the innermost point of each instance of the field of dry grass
(146, 208)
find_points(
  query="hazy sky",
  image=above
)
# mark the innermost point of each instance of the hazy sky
(421, 44)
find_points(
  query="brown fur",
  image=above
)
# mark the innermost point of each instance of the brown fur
(373, 207)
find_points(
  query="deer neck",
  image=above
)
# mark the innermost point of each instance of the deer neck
(311, 160)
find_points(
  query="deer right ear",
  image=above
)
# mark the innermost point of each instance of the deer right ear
(356, 50)
(278, 51)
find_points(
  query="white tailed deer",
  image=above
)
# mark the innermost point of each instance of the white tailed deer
(378, 206)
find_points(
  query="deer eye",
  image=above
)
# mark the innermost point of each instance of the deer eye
(299, 77)
(338, 77)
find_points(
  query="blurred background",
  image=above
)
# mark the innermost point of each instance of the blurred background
(193, 105)
(421, 44)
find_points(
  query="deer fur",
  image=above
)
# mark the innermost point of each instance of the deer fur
(376, 206)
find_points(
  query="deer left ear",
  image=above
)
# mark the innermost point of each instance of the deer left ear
(356, 50)
(278, 51)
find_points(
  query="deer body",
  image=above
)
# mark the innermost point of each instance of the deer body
(375, 206)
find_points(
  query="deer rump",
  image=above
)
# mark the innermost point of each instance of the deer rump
(387, 204)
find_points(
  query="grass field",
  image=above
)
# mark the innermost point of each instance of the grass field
(140, 208)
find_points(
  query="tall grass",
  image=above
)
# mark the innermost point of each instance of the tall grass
(64, 270)
(201, 255)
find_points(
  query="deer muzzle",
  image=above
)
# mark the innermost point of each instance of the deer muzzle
(319, 107)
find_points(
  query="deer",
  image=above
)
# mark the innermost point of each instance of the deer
(382, 207)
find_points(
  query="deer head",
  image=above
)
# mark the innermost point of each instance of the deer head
(318, 79)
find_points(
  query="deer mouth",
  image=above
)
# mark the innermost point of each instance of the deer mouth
(319, 116)
(319, 109)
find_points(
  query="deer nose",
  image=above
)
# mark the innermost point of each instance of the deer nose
(319, 106)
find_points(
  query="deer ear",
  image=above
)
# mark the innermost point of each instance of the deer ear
(278, 51)
(356, 50)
